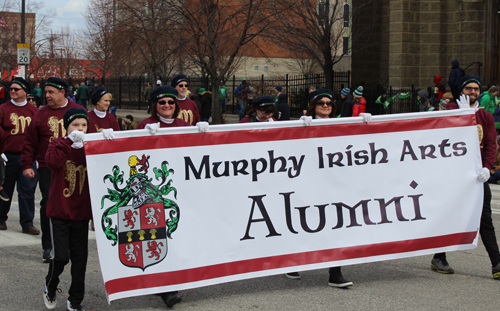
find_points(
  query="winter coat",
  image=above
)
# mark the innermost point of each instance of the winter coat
(424, 100)
(206, 104)
(283, 108)
(346, 106)
(358, 108)
(455, 74)
(439, 90)
(488, 102)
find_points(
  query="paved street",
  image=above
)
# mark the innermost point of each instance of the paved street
(406, 284)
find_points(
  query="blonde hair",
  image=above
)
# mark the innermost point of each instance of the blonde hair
(447, 95)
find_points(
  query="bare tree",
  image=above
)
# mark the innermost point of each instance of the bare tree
(317, 29)
(214, 33)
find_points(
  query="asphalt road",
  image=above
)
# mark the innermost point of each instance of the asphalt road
(405, 284)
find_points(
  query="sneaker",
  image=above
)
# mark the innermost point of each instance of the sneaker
(73, 306)
(337, 280)
(441, 265)
(171, 298)
(496, 271)
(3, 225)
(3, 195)
(31, 230)
(46, 258)
(293, 275)
(49, 297)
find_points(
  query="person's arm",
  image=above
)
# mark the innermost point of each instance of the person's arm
(30, 149)
(57, 153)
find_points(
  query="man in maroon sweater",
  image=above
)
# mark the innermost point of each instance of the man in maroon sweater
(47, 125)
(189, 111)
(15, 119)
(470, 88)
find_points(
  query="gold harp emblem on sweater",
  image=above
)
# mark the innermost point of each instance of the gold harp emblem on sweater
(186, 115)
(480, 132)
(70, 176)
(54, 125)
(19, 122)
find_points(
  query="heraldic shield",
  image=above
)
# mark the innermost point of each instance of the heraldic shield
(142, 235)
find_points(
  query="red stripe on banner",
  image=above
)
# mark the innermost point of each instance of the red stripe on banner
(273, 134)
(283, 261)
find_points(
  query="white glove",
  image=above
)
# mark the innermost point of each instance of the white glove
(108, 134)
(367, 117)
(307, 120)
(153, 127)
(483, 175)
(4, 157)
(463, 102)
(76, 136)
(202, 126)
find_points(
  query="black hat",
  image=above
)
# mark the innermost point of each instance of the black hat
(74, 113)
(469, 79)
(278, 88)
(22, 83)
(97, 95)
(178, 79)
(263, 101)
(434, 102)
(30, 94)
(320, 93)
(58, 83)
(164, 91)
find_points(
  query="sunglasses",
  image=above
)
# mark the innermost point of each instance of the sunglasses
(30, 99)
(321, 103)
(163, 102)
(183, 85)
(15, 89)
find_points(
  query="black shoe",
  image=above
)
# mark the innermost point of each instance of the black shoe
(441, 265)
(293, 275)
(496, 271)
(73, 306)
(337, 280)
(3, 195)
(3, 225)
(46, 258)
(171, 298)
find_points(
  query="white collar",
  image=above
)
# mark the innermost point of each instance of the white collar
(317, 117)
(21, 104)
(100, 114)
(67, 101)
(268, 120)
(167, 121)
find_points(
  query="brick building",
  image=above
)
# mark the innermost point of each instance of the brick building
(414, 40)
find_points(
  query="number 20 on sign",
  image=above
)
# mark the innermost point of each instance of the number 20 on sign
(23, 54)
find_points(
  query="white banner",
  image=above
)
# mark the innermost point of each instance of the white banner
(182, 209)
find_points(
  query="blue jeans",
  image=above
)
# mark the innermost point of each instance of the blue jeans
(25, 190)
(494, 177)
(222, 105)
(240, 108)
(83, 102)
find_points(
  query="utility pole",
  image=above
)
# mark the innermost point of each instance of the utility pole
(23, 29)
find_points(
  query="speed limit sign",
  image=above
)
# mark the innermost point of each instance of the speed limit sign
(23, 54)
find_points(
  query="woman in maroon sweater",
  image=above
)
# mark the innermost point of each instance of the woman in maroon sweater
(99, 118)
(164, 110)
(68, 209)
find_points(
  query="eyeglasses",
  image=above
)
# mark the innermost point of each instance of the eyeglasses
(321, 103)
(163, 102)
(470, 88)
(182, 85)
(15, 89)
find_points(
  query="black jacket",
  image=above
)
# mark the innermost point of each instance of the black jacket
(346, 106)
(283, 108)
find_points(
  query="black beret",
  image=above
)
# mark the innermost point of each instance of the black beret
(263, 101)
(58, 83)
(178, 79)
(97, 95)
(320, 93)
(164, 91)
(74, 113)
(22, 83)
(469, 79)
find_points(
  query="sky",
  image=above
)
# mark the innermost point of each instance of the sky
(67, 12)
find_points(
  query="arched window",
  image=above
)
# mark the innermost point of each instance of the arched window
(347, 15)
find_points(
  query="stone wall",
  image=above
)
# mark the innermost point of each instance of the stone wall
(414, 40)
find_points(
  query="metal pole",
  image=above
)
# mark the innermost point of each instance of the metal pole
(23, 26)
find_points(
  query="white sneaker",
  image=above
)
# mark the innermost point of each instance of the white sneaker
(49, 299)
(73, 307)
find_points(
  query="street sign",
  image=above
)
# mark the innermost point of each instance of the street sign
(23, 54)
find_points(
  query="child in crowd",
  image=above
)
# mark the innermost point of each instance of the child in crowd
(69, 209)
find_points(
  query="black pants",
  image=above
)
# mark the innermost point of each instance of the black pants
(486, 230)
(25, 190)
(44, 179)
(69, 239)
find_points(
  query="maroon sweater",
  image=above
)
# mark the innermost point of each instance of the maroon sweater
(150, 120)
(14, 123)
(96, 124)
(47, 124)
(69, 195)
(189, 111)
